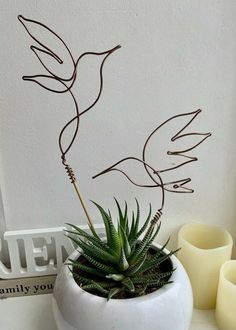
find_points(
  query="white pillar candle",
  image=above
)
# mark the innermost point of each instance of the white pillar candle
(226, 297)
(204, 248)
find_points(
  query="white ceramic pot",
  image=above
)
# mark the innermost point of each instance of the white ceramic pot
(169, 308)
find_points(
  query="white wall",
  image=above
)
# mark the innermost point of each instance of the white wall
(176, 56)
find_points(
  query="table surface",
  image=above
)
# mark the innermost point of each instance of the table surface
(35, 313)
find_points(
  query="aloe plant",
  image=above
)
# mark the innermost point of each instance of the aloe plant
(120, 265)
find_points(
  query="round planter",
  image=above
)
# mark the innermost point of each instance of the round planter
(165, 309)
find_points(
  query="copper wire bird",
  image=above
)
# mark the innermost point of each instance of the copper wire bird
(65, 83)
(157, 174)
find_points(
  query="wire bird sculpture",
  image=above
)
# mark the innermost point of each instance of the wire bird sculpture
(66, 84)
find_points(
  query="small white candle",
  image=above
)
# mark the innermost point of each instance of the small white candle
(226, 297)
(204, 248)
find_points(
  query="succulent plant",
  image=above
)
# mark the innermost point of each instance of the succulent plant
(122, 264)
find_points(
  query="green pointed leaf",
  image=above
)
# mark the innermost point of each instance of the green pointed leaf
(81, 279)
(151, 277)
(160, 252)
(87, 269)
(94, 251)
(123, 217)
(113, 292)
(156, 261)
(137, 218)
(141, 291)
(131, 233)
(137, 258)
(119, 210)
(125, 242)
(135, 268)
(134, 238)
(116, 277)
(143, 246)
(123, 263)
(105, 268)
(82, 232)
(156, 232)
(126, 221)
(113, 240)
(135, 224)
(127, 282)
(95, 286)
(96, 241)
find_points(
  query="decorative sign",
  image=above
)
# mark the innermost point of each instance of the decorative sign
(26, 286)
(37, 252)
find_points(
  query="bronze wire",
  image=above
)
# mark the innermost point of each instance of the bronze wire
(151, 171)
(158, 182)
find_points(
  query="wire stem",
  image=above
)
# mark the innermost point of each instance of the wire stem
(90, 222)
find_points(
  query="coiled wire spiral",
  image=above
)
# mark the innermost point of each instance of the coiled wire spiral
(156, 217)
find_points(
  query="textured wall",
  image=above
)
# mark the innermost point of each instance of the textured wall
(176, 56)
